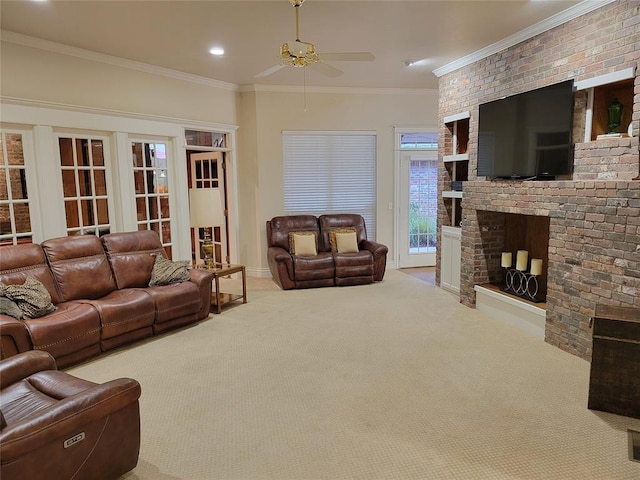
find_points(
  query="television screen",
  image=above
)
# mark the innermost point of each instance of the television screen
(527, 136)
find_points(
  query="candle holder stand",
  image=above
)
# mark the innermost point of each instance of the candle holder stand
(521, 284)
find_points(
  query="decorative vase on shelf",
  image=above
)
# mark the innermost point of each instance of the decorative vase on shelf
(615, 114)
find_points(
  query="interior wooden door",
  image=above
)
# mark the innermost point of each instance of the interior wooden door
(207, 170)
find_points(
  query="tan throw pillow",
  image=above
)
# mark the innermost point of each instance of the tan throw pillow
(32, 297)
(332, 236)
(166, 272)
(347, 242)
(311, 238)
(304, 245)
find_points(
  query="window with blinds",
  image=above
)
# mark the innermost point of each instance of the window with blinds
(331, 172)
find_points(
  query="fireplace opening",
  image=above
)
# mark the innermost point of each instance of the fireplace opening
(516, 249)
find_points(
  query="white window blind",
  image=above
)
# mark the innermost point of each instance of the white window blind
(331, 172)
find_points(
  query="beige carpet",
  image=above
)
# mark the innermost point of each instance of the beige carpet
(394, 380)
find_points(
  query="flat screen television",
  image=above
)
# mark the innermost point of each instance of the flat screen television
(527, 136)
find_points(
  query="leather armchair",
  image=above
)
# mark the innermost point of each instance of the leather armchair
(60, 427)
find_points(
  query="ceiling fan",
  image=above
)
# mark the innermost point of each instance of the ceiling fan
(303, 54)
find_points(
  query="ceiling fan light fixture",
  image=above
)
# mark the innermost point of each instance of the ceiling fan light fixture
(299, 57)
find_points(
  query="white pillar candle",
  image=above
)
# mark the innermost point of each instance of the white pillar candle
(536, 266)
(506, 260)
(522, 259)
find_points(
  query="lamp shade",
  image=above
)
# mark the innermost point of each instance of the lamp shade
(205, 207)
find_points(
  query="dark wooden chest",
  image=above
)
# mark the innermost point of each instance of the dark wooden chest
(614, 383)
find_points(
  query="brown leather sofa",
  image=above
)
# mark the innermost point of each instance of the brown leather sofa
(57, 426)
(327, 268)
(99, 287)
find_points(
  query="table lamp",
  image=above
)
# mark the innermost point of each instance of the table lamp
(205, 211)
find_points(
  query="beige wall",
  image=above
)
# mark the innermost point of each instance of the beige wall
(34, 74)
(275, 111)
(56, 78)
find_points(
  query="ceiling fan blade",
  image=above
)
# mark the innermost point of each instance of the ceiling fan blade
(326, 69)
(270, 71)
(349, 56)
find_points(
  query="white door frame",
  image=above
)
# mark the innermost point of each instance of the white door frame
(400, 188)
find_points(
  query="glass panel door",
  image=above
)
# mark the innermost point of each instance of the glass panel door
(418, 208)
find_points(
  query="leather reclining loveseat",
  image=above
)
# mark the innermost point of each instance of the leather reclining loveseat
(363, 264)
(101, 293)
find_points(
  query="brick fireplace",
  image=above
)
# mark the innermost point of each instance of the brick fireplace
(593, 217)
(592, 258)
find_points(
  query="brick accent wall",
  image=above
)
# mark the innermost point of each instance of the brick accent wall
(594, 245)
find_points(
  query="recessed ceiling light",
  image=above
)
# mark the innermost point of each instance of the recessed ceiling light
(216, 51)
(412, 63)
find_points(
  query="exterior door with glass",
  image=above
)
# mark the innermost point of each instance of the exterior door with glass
(418, 208)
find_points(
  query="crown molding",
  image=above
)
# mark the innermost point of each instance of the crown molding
(183, 122)
(582, 8)
(338, 90)
(46, 45)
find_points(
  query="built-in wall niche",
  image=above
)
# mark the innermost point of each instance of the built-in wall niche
(605, 95)
(529, 233)
(457, 137)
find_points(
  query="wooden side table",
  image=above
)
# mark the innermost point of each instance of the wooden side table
(614, 383)
(219, 298)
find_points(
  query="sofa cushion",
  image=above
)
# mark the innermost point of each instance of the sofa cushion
(166, 272)
(32, 297)
(122, 312)
(313, 268)
(72, 327)
(354, 268)
(346, 242)
(79, 266)
(27, 260)
(278, 228)
(331, 222)
(132, 256)
(303, 243)
(175, 301)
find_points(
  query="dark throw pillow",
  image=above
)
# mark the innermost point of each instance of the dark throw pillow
(166, 272)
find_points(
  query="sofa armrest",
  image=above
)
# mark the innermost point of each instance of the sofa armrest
(379, 252)
(200, 277)
(203, 280)
(67, 417)
(281, 266)
(17, 367)
(374, 247)
(14, 337)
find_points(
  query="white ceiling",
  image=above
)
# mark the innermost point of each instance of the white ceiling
(178, 34)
